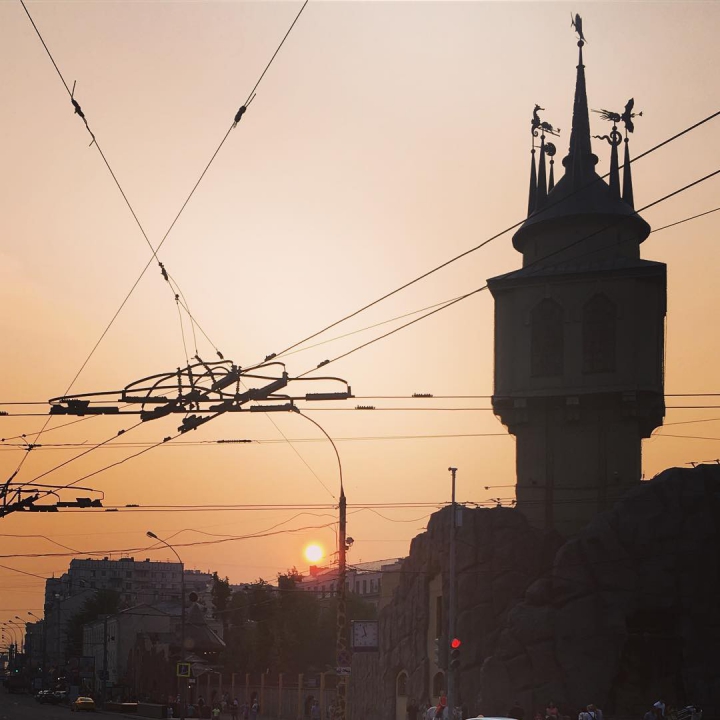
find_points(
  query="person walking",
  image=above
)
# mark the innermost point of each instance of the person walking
(234, 707)
(430, 712)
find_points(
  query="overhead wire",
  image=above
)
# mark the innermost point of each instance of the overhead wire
(430, 272)
(684, 188)
(154, 250)
(448, 300)
(487, 241)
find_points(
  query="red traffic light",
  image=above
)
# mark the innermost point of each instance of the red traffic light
(455, 643)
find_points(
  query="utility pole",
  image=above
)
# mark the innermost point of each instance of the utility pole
(343, 659)
(182, 682)
(452, 602)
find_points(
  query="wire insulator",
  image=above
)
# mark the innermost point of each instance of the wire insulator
(239, 114)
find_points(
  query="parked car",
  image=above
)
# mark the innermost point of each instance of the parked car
(83, 704)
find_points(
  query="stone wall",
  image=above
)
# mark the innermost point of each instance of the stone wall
(499, 555)
(622, 615)
(629, 612)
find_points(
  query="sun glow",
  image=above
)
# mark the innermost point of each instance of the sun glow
(313, 553)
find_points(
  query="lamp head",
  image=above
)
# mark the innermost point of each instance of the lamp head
(151, 534)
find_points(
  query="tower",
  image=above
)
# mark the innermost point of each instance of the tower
(579, 334)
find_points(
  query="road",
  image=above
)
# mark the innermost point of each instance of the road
(25, 707)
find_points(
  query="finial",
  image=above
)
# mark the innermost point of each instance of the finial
(538, 183)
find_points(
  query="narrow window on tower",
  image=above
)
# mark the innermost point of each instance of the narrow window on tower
(546, 339)
(598, 335)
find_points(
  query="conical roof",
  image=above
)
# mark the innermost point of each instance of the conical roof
(581, 192)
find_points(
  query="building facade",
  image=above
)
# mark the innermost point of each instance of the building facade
(579, 333)
(372, 581)
(141, 582)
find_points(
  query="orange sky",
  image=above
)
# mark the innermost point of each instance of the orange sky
(386, 138)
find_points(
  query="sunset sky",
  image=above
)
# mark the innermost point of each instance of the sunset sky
(386, 138)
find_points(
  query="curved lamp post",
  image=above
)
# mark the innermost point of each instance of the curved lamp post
(183, 685)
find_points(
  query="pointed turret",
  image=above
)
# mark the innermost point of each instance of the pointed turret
(542, 190)
(580, 161)
(614, 167)
(580, 197)
(532, 194)
(627, 195)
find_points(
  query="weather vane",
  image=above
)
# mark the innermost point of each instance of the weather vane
(615, 140)
(626, 117)
(576, 22)
(541, 127)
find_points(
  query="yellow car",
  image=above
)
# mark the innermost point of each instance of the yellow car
(83, 703)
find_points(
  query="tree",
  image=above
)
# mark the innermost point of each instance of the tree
(221, 592)
(102, 602)
(285, 629)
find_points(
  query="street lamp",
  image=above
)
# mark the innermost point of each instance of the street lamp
(183, 684)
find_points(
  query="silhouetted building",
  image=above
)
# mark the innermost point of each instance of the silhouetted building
(579, 334)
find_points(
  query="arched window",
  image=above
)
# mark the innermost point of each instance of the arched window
(438, 684)
(401, 684)
(598, 335)
(546, 339)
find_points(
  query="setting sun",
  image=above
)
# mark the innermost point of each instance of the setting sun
(313, 553)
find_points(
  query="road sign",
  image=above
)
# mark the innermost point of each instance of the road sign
(183, 669)
(344, 670)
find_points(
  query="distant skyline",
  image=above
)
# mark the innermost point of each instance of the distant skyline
(385, 139)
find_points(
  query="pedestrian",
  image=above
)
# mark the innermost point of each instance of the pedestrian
(234, 707)
(430, 712)
(516, 711)
(591, 713)
(441, 711)
(254, 710)
(412, 709)
(315, 711)
(245, 710)
(551, 711)
(216, 711)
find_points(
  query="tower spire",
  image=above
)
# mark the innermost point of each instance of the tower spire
(532, 194)
(580, 159)
(627, 195)
(542, 189)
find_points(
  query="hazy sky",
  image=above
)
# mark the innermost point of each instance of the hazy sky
(386, 138)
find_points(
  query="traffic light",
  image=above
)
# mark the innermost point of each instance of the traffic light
(455, 653)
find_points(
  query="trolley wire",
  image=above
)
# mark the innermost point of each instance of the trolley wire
(529, 265)
(497, 235)
(154, 250)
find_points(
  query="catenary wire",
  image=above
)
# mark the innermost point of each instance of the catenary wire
(492, 238)
(536, 262)
(182, 208)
